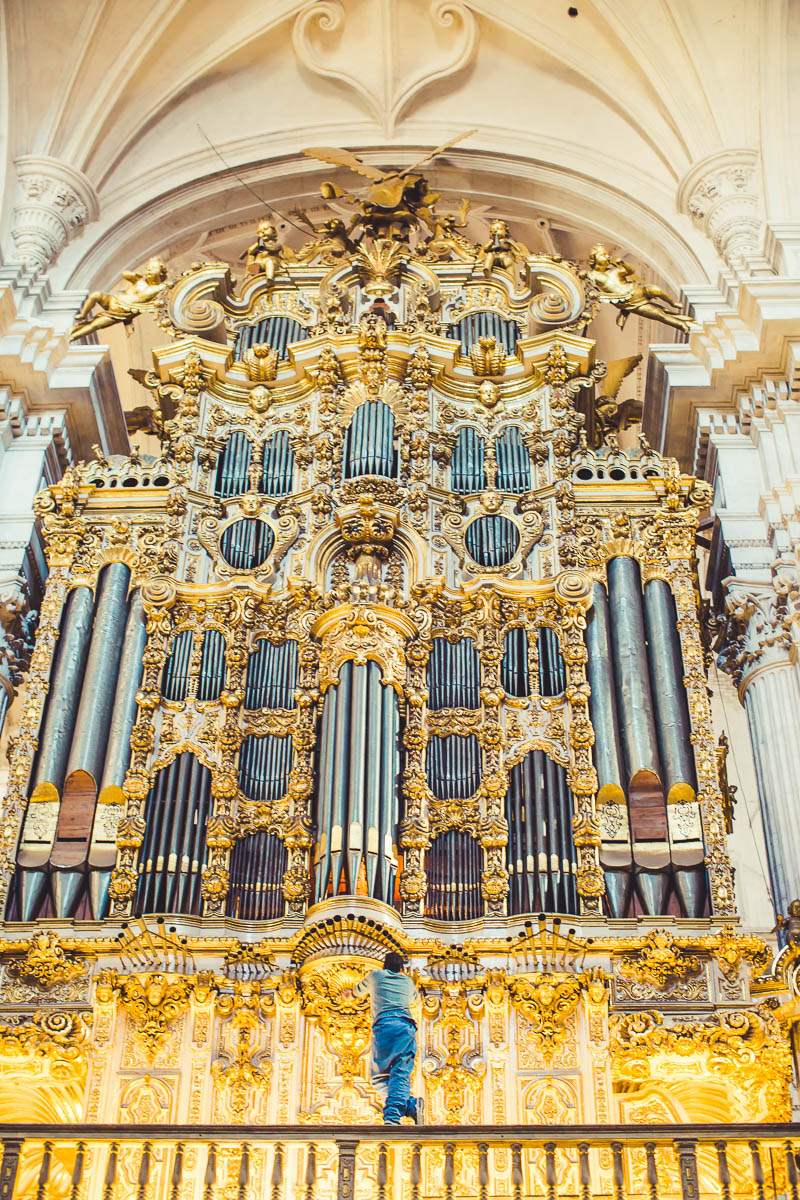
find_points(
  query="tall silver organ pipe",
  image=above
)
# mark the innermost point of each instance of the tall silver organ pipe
(454, 674)
(110, 801)
(233, 465)
(174, 851)
(616, 852)
(276, 332)
(42, 817)
(467, 471)
(674, 739)
(669, 693)
(541, 852)
(61, 711)
(453, 864)
(271, 675)
(514, 672)
(634, 699)
(258, 865)
(357, 805)
(68, 861)
(513, 461)
(369, 441)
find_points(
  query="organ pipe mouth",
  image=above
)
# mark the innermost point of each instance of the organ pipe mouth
(611, 793)
(44, 792)
(681, 793)
(111, 794)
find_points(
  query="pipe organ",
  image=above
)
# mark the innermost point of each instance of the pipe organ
(388, 648)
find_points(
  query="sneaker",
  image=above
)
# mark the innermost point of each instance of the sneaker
(419, 1110)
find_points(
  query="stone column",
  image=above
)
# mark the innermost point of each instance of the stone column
(721, 194)
(54, 203)
(761, 653)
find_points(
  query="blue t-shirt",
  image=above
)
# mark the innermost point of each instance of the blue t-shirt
(387, 990)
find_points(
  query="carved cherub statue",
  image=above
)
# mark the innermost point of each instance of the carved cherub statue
(330, 243)
(618, 283)
(501, 250)
(122, 307)
(790, 924)
(267, 254)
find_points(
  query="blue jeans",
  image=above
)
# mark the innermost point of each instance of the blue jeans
(394, 1049)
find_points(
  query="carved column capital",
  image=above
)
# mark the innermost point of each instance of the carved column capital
(721, 194)
(54, 202)
(761, 623)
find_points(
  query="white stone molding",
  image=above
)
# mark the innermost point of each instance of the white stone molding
(54, 202)
(721, 194)
(370, 56)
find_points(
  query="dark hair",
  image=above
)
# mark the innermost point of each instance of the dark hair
(393, 962)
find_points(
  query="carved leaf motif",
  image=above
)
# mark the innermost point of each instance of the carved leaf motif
(440, 42)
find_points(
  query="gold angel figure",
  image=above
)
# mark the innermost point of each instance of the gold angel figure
(445, 241)
(618, 283)
(395, 201)
(267, 254)
(125, 306)
(330, 242)
(501, 250)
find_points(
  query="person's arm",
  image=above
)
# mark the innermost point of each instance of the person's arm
(361, 989)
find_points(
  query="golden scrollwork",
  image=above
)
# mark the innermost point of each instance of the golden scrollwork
(344, 1019)
(47, 963)
(660, 960)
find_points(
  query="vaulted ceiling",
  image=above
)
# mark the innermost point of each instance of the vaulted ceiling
(184, 114)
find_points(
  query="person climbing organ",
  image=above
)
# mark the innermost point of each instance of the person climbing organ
(394, 1039)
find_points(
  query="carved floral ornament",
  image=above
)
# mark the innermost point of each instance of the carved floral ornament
(153, 1002)
(360, 633)
(46, 962)
(46, 1045)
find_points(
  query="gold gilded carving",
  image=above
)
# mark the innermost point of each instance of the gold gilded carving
(153, 1002)
(261, 364)
(326, 996)
(267, 255)
(459, 1073)
(618, 284)
(501, 252)
(360, 633)
(744, 1051)
(487, 358)
(242, 1073)
(660, 961)
(47, 1045)
(122, 307)
(547, 1002)
(46, 963)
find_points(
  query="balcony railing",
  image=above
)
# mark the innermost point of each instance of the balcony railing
(484, 1162)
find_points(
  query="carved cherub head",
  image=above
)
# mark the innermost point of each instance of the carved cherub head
(599, 257)
(488, 393)
(155, 271)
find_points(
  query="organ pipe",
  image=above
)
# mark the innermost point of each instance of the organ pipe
(634, 698)
(467, 470)
(212, 666)
(484, 324)
(41, 820)
(454, 674)
(264, 767)
(492, 540)
(246, 543)
(110, 801)
(513, 461)
(174, 851)
(357, 807)
(616, 852)
(369, 441)
(514, 666)
(257, 867)
(276, 332)
(271, 676)
(232, 469)
(89, 741)
(669, 693)
(278, 466)
(541, 852)
(453, 864)
(453, 766)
